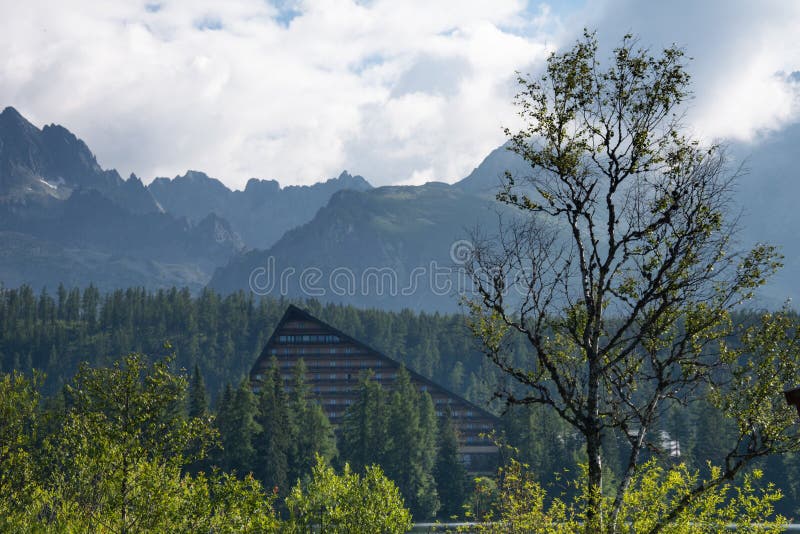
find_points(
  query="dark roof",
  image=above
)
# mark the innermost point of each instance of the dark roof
(294, 313)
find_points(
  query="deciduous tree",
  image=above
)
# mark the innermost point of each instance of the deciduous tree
(619, 272)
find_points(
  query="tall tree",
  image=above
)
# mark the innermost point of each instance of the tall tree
(618, 271)
(411, 452)
(198, 397)
(238, 429)
(313, 433)
(449, 471)
(276, 437)
(363, 432)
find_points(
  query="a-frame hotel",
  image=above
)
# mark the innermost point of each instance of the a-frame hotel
(335, 361)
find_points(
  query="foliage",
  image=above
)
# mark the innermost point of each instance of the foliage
(224, 504)
(19, 404)
(221, 335)
(619, 273)
(347, 503)
(523, 506)
(396, 430)
(111, 457)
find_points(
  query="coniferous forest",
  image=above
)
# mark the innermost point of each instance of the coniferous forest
(275, 434)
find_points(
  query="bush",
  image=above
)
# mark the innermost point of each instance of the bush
(347, 503)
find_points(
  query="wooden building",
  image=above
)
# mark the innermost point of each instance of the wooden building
(335, 361)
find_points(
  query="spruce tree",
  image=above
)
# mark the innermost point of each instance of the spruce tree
(407, 461)
(428, 497)
(312, 431)
(275, 438)
(363, 432)
(238, 428)
(449, 472)
(198, 397)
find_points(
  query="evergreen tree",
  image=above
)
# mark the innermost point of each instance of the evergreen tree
(198, 398)
(238, 429)
(449, 472)
(310, 426)
(428, 497)
(363, 432)
(276, 437)
(407, 463)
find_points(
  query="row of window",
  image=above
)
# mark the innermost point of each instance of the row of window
(308, 338)
(314, 350)
(314, 363)
(334, 402)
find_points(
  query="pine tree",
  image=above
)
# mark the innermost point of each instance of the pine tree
(198, 397)
(275, 438)
(449, 472)
(407, 463)
(238, 429)
(428, 496)
(364, 430)
(310, 426)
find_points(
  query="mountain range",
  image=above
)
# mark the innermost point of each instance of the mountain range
(64, 219)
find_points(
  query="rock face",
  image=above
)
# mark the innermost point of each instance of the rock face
(68, 220)
(52, 163)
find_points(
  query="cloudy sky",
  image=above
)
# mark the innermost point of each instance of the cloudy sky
(400, 91)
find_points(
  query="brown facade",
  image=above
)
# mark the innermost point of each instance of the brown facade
(335, 361)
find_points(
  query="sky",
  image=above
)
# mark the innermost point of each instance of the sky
(401, 91)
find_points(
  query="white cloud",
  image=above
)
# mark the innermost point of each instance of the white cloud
(741, 50)
(394, 90)
(241, 88)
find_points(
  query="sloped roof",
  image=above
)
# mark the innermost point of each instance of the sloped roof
(293, 313)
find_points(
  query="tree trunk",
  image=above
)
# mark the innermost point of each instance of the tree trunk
(594, 442)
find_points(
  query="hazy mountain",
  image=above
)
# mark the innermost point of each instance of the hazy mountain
(768, 196)
(390, 247)
(65, 219)
(486, 178)
(51, 163)
(261, 213)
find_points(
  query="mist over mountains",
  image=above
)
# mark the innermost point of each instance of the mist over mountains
(64, 219)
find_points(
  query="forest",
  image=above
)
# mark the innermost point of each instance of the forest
(276, 434)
